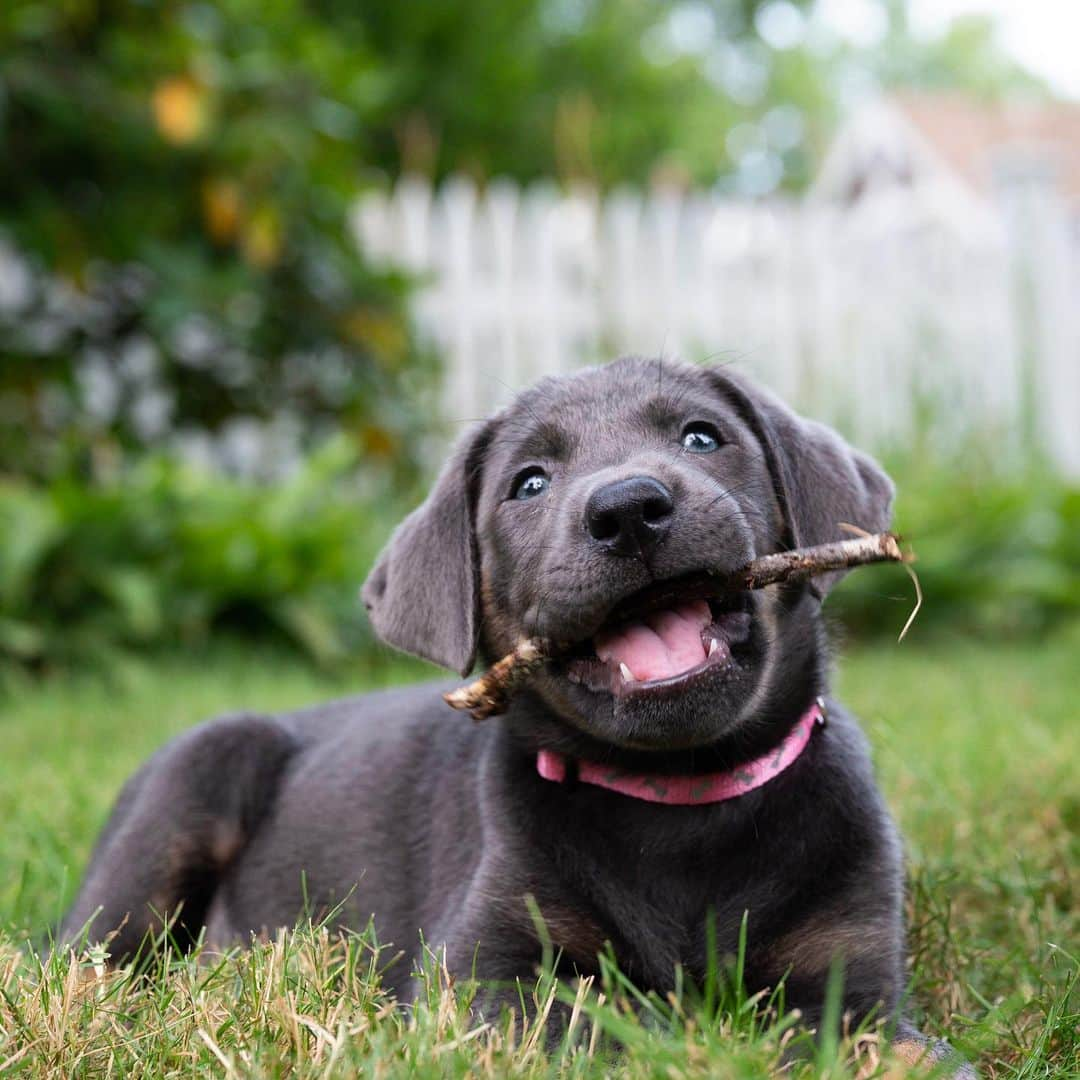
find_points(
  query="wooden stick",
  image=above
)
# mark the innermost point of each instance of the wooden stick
(804, 563)
(489, 695)
(491, 692)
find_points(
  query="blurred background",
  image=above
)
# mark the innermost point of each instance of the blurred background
(260, 262)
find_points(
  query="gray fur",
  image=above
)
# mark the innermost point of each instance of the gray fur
(390, 806)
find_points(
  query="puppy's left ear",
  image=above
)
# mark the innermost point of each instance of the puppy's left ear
(423, 594)
(820, 480)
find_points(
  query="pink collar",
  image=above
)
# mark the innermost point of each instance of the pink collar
(691, 790)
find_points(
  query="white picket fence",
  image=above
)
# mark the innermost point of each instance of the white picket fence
(901, 318)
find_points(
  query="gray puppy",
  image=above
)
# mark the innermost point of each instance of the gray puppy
(672, 772)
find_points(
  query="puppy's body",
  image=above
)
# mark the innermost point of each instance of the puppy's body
(560, 517)
(382, 807)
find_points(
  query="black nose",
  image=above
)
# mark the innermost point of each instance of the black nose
(630, 517)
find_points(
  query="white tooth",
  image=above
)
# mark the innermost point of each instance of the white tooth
(627, 674)
(713, 646)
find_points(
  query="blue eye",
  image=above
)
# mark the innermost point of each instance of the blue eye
(530, 484)
(700, 438)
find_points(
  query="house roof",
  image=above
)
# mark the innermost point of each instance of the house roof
(986, 142)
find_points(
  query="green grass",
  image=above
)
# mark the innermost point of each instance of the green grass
(978, 750)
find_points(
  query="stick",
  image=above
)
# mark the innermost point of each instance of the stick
(804, 563)
(489, 695)
(491, 692)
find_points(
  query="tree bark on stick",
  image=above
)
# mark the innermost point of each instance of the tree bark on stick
(490, 694)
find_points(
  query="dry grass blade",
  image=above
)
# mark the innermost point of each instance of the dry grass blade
(906, 562)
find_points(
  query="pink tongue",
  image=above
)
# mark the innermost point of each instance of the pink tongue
(667, 643)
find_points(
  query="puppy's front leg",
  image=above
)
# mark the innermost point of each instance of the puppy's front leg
(869, 950)
(506, 948)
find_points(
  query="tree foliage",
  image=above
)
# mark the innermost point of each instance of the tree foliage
(966, 56)
(176, 257)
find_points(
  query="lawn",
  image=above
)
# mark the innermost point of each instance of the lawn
(977, 747)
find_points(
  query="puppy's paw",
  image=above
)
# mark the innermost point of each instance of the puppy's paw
(935, 1056)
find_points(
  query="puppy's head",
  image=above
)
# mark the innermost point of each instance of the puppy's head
(591, 512)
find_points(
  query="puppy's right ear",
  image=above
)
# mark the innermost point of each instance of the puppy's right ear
(423, 594)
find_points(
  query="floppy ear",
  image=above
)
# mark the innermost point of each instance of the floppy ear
(820, 480)
(423, 594)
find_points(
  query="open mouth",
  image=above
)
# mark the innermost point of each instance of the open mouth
(662, 639)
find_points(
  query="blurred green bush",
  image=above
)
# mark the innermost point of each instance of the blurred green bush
(996, 555)
(166, 555)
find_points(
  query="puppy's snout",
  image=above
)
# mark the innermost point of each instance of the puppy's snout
(630, 517)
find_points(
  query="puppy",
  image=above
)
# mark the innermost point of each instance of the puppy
(681, 767)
